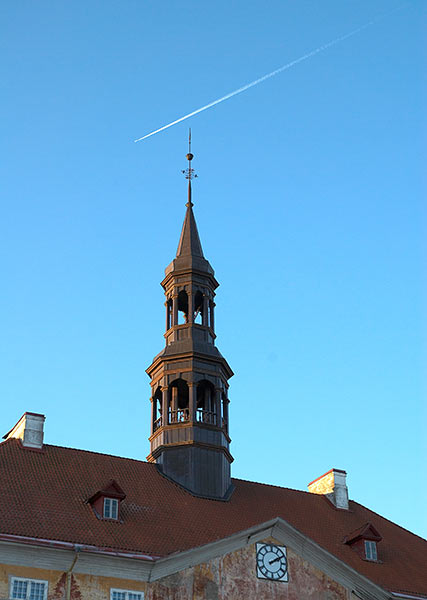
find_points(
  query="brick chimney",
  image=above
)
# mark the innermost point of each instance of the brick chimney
(29, 429)
(332, 485)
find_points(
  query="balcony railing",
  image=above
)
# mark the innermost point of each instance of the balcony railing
(205, 416)
(182, 415)
(157, 424)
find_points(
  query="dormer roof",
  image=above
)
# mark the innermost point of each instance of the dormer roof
(365, 532)
(110, 490)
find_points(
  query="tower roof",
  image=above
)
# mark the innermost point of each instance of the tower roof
(189, 255)
(189, 242)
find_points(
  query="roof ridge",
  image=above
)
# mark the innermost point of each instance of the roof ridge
(273, 485)
(99, 453)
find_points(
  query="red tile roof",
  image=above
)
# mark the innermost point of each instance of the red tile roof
(44, 495)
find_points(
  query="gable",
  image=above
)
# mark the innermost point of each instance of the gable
(235, 575)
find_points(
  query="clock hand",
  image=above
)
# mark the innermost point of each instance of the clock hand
(270, 562)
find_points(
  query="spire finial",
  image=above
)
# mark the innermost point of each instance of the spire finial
(189, 173)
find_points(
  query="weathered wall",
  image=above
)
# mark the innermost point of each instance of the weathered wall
(233, 577)
(83, 587)
(230, 577)
(56, 580)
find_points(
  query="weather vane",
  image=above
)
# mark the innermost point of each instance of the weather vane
(189, 173)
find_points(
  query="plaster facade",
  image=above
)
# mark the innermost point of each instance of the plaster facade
(228, 577)
(83, 587)
(233, 577)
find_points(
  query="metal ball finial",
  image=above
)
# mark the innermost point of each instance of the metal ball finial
(189, 172)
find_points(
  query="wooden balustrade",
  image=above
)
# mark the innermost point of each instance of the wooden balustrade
(179, 416)
(182, 415)
(206, 416)
(157, 424)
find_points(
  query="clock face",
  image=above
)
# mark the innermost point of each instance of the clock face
(271, 562)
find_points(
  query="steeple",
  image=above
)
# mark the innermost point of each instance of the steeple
(189, 377)
(189, 242)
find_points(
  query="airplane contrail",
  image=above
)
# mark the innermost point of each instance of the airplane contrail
(264, 77)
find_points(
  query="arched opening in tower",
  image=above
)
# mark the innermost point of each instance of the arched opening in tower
(205, 403)
(182, 307)
(178, 410)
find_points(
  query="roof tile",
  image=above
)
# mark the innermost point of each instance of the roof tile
(44, 495)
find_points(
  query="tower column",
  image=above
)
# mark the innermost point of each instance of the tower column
(175, 309)
(174, 404)
(205, 315)
(226, 402)
(153, 413)
(164, 406)
(167, 314)
(218, 407)
(192, 389)
(212, 316)
(190, 315)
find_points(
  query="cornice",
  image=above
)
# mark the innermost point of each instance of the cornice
(152, 457)
(159, 359)
(174, 274)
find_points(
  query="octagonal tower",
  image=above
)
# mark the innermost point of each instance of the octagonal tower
(189, 377)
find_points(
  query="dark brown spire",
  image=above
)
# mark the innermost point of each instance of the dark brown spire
(189, 242)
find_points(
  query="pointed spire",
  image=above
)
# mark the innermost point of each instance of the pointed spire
(189, 242)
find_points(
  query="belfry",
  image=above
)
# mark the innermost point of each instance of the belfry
(189, 377)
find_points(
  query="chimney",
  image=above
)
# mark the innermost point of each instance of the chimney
(29, 429)
(332, 485)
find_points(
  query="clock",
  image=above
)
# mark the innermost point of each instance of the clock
(271, 562)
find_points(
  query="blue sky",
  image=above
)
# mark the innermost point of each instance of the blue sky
(309, 206)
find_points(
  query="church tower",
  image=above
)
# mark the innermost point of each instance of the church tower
(189, 377)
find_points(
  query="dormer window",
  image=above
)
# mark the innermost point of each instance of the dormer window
(364, 541)
(370, 550)
(111, 508)
(106, 502)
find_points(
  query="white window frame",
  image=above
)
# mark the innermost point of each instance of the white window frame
(126, 593)
(28, 580)
(113, 502)
(371, 550)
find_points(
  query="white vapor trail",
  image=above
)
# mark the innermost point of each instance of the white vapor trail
(263, 78)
